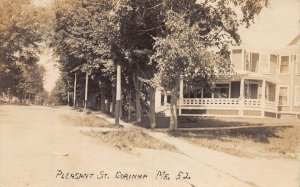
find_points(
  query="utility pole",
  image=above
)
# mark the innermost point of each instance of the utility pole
(75, 82)
(86, 89)
(118, 96)
(68, 93)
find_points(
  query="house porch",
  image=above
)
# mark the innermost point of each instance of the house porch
(246, 97)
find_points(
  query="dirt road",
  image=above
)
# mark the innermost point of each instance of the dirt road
(38, 148)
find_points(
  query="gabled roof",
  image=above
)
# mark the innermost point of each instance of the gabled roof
(295, 41)
(292, 47)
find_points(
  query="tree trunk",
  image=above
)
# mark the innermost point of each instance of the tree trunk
(152, 108)
(107, 109)
(138, 91)
(86, 90)
(113, 93)
(103, 106)
(173, 118)
(129, 104)
(74, 95)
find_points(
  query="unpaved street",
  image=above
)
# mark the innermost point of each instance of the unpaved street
(39, 148)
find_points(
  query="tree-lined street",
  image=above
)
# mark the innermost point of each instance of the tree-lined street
(153, 44)
(117, 60)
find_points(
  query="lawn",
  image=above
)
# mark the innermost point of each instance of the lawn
(250, 138)
(129, 138)
(264, 138)
(82, 118)
(122, 138)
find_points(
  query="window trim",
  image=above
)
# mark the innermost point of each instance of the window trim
(295, 96)
(241, 60)
(288, 95)
(297, 64)
(289, 65)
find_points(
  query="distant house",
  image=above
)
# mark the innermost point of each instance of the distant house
(268, 86)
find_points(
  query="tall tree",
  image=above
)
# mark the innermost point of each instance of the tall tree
(198, 34)
(20, 33)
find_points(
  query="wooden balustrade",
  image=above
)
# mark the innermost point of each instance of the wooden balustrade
(224, 102)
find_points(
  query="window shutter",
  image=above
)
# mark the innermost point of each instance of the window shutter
(298, 68)
(297, 96)
(264, 64)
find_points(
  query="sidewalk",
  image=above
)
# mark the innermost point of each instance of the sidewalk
(254, 172)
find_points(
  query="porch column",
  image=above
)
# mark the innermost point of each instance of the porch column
(157, 100)
(68, 93)
(263, 98)
(276, 99)
(180, 93)
(241, 109)
(165, 98)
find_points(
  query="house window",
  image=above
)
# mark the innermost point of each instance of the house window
(251, 62)
(298, 64)
(297, 96)
(283, 96)
(284, 64)
(247, 61)
(237, 58)
(264, 64)
(221, 91)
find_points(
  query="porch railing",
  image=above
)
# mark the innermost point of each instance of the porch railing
(252, 102)
(227, 102)
(210, 101)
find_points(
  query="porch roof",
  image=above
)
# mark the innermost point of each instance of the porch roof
(246, 75)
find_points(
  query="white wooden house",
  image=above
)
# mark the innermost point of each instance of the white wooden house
(268, 86)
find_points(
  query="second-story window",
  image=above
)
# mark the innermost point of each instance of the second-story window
(284, 64)
(297, 96)
(264, 64)
(297, 60)
(254, 62)
(237, 58)
(273, 65)
(251, 62)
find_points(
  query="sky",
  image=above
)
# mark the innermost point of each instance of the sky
(274, 28)
(41, 2)
(48, 60)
